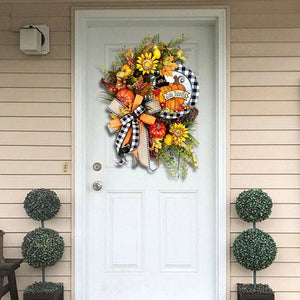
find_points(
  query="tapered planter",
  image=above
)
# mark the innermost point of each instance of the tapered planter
(57, 295)
(260, 292)
(255, 297)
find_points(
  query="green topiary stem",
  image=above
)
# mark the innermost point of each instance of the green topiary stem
(43, 275)
(254, 272)
(43, 269)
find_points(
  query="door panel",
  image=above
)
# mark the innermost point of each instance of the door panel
(150, 237)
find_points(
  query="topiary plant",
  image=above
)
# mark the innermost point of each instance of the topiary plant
(42, 247)
(41, 204)
(253, 205)
(254, 249)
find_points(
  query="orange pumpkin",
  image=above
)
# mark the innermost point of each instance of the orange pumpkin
(175, 104)
(126, 96)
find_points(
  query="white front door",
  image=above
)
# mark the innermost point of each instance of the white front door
(149, 237)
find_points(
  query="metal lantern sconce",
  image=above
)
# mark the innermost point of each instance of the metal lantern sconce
(34, 39)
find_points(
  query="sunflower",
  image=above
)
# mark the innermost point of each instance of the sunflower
(146, 63)
(179, 133)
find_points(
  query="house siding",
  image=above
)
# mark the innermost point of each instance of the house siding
(36, 127)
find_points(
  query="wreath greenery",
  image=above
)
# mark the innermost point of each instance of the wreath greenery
(152, 107)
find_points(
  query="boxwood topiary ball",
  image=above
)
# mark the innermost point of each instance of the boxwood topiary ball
(253, 205)
(254, 249)
(41, 204)
(42, 247)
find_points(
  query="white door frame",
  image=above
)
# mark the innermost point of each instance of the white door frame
(82, 19)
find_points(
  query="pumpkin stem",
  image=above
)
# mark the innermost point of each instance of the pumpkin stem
(176, 80)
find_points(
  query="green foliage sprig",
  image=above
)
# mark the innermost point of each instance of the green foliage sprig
(42, 247)
(41, 204)
(170, 163)
(143, 44)
(261, 289)
(40, 288)
(178, 40)
(177, 159)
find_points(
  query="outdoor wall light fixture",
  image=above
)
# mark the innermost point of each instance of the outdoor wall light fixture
(34, 39)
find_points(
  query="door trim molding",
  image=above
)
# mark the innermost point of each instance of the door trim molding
(82, 17)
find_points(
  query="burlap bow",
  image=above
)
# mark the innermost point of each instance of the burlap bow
(133, 134)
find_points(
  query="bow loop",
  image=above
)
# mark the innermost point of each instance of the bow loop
(134, 115)
(126, 119)
(138, 111)
(132, 135)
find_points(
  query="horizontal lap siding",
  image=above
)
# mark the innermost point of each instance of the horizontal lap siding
(265, 136)
(35, 126)
(35, 132)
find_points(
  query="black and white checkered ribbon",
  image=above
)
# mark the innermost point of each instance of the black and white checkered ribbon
(129, 120)
(194, 93)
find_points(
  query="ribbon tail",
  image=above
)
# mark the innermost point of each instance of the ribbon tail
(143, 149)
(135, 135)
(122, 150)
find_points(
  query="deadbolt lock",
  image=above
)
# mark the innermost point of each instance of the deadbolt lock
(97, 166)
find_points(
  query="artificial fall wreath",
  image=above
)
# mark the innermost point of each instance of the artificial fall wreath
(152, 97)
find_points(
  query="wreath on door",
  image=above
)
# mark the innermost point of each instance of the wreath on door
(152, 99)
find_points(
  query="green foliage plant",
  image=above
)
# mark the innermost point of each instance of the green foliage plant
(261, 289)
(253, 205)
(41, 204)
(42, 247)
(254, 249)
(39, 288)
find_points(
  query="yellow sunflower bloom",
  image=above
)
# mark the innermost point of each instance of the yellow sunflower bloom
(179, 133)
(146, 63)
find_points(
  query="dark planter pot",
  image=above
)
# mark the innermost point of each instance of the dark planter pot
(58, 295)
(255, 297)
